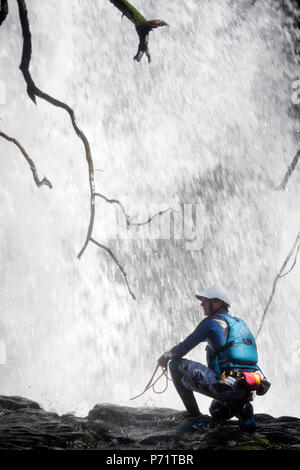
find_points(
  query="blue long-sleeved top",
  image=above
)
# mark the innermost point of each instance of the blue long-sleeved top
(208, 330)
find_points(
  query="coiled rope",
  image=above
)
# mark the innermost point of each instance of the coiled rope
(151, 384)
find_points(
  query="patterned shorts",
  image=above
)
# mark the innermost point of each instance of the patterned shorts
(199, 378)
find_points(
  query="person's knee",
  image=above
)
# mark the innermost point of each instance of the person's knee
(174, 365)
(221, 411)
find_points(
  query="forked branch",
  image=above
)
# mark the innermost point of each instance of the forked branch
(142, 26)
(38, 182)
(33, 91)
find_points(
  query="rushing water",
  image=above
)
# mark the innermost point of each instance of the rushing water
(208, 125)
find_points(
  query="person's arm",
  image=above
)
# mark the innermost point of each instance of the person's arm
(199, 335)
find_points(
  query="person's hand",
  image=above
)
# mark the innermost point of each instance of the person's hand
(163, 362)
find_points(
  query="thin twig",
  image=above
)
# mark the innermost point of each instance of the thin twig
(294, 263)
(279, 276)
(115, 201)
(128, 217)
(38, 182)
(153, 217)
(289, 172)
(109, 251)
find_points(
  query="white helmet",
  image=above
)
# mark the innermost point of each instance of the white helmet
(215, 292)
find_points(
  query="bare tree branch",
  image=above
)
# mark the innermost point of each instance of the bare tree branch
(3, 11)
(38, 182)
(129, 11)
(117, 263)
(33, 91)
(289, 172)
(295, 247)
(142, 26)
(128, 217)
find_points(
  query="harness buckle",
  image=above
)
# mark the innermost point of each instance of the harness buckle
(230, 373)
(250, 381)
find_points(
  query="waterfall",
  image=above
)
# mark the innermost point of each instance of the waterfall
(208, 128)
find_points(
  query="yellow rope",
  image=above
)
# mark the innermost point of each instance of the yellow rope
(151, 385)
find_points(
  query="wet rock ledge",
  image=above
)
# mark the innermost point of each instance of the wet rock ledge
(25, 425)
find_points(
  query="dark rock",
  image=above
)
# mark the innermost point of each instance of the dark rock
(263, 418)
(25, 425)
(289, 419)
(15, 403)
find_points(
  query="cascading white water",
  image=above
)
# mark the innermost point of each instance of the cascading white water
(208, 122)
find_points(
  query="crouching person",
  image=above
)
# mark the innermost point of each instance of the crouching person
(232, 373)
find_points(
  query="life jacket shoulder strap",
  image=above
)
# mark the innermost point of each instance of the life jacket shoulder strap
(229, 323)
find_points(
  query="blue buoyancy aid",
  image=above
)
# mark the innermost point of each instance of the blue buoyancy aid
(240, 350)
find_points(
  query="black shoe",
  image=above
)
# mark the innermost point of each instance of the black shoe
(193, 423)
